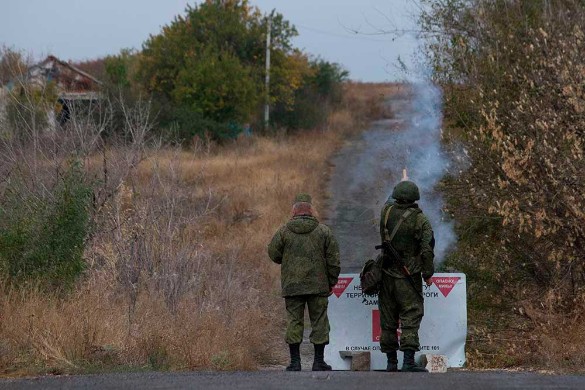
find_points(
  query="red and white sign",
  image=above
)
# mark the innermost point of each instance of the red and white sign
(355, 321)
(341, 285)
(445, 284)
(376, 327)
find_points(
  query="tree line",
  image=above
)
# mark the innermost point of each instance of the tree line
(204, 74)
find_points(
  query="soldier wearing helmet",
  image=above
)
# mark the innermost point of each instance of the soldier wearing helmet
(400, 300)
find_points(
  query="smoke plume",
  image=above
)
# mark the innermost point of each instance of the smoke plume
(420, 152)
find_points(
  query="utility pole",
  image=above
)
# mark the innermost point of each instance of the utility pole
(267, 98)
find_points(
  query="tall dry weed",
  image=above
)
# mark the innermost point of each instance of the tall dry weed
(178, 276)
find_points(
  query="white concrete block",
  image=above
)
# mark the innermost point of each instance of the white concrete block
(436, 364)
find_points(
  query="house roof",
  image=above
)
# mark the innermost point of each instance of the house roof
(75, 69)
(68, 79)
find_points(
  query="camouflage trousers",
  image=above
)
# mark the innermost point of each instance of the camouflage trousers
(295, 309)
(400, 305)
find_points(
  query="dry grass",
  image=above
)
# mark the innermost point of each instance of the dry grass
(532, 340)
(178, 276)
(563, 351)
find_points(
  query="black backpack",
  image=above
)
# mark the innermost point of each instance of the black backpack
(371, 275)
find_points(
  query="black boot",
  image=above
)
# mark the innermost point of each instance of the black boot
(408, 364)
(392, 365)
(319, 362)
(295, 357)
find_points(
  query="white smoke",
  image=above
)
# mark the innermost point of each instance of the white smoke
(420, 152)
(369, 167)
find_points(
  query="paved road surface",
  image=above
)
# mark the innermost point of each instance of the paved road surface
(304, 380)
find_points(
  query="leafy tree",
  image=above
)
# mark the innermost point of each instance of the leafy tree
(327, 79)
(513, 73)
(218, 86)
(211, 60)
(319, 90)
(121, 69)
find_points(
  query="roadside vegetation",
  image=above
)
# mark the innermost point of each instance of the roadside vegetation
(134, 236)
(513, 76)
(129, 241)
(205, 74)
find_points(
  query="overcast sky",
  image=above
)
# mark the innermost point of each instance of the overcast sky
(85, 29)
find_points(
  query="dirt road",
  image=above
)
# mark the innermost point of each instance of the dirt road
(360, 184)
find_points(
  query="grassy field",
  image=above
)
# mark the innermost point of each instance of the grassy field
(178, 277)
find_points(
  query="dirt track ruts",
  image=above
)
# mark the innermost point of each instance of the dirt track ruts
(360, 184)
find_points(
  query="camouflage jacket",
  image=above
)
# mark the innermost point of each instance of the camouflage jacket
(414, 240)
(309, 255)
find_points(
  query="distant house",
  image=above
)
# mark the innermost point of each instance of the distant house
(71, 83)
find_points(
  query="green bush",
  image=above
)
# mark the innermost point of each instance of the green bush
(182, 124)
(42, 237)
(320, 92)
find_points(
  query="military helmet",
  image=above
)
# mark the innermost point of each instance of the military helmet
(406, 191)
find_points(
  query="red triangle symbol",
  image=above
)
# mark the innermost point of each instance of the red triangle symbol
(445, 284)
(341, 285)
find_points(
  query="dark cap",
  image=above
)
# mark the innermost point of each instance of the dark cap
(302, 197)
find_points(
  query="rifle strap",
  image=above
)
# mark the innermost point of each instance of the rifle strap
(389, 237)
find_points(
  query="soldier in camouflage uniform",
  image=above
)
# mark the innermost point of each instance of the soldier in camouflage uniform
(399, 301)
(309, 258)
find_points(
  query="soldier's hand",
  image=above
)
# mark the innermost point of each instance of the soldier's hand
(429, 282)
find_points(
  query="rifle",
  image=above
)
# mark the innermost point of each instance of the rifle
(388, 249)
